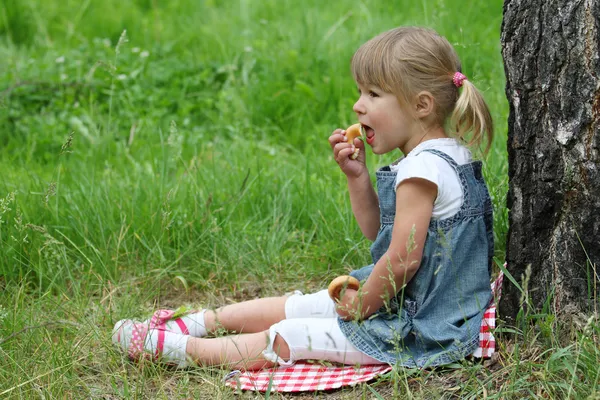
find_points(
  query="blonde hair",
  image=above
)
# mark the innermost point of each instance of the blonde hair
(407, 60)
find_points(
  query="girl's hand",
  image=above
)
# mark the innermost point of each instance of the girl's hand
(348, 308)
(342, 152)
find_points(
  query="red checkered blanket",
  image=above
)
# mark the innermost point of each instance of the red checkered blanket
(309, 377)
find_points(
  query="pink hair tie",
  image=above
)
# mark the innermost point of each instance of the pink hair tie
(458, 79)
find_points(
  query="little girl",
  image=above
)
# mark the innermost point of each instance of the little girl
(422, 300)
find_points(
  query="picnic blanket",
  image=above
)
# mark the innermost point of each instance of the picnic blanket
(305, 376)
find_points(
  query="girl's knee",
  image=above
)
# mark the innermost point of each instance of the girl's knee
(281, 347)
(278, 350)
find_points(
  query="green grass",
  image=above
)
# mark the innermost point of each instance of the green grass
(186, 162)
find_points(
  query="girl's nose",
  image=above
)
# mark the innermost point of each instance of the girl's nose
(359, 107)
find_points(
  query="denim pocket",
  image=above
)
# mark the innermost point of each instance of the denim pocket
(390, 328)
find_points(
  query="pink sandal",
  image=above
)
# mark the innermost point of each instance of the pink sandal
(130, 335)
(136, 333)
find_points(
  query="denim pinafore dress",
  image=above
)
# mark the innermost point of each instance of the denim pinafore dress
(436, 318)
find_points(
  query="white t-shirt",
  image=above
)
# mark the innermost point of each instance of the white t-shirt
(425, 165)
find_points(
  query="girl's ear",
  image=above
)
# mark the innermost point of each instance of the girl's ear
(424, 105)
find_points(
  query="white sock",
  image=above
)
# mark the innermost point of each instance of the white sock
(174, 347)
(194, 322)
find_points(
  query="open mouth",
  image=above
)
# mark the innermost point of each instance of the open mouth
(368, 133)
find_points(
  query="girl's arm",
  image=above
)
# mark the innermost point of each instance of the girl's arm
(365, 205)
(362, 195)
(414, 206)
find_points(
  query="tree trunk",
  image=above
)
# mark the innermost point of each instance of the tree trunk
(550, 50)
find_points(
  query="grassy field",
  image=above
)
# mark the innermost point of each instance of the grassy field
(155, 154)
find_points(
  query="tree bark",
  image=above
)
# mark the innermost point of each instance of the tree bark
(551, 59)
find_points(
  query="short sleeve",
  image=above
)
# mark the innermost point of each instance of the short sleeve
(420, 166)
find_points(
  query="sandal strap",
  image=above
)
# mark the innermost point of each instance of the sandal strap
(160, 344)
(161, 317)
(182, 326)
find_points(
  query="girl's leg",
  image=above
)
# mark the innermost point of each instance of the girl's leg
(139, 340)
(260, 314)
(254, 315)
(248, 317)
(236, 351)
(284, 343)
(312, 332)
(313, 339)
(307, 329)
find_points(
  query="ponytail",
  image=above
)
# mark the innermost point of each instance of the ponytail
(471, 114)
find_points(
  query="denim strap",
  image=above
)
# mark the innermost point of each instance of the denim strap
(443, 155)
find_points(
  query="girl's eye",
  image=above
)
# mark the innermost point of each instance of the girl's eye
(369, 93)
